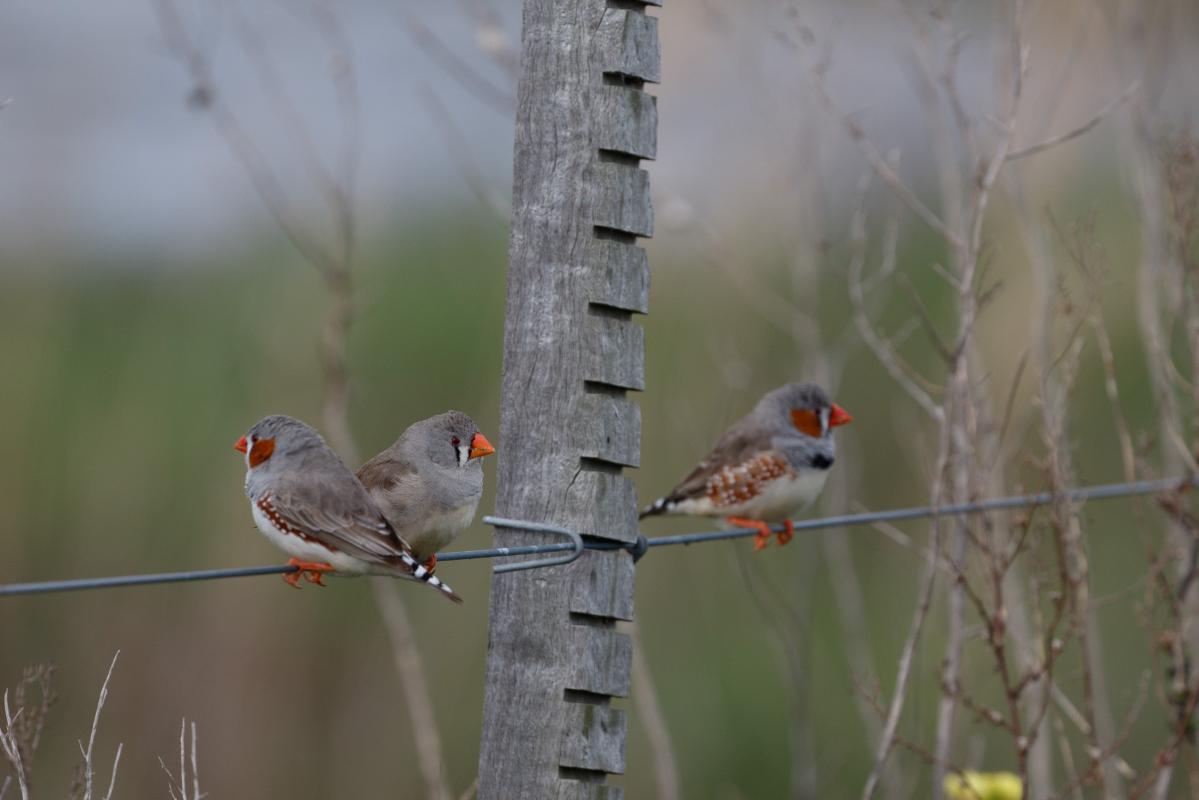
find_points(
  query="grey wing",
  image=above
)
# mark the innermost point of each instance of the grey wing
(384, 472)
(395, 486)
(736, 445)
(339, 514)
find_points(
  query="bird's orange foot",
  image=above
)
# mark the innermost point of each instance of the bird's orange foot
(787, 532)
(431, 563)
(763, 529)
(310, 570)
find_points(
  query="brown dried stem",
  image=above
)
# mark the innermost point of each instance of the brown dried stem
(335, 264)
(653, 721)
(414, 685)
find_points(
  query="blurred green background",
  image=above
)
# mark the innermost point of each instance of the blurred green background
(129, 370)
(124, 396)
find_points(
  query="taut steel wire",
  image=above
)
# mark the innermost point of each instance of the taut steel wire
(572, 549)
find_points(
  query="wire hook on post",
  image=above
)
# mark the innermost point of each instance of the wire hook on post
(575, 546)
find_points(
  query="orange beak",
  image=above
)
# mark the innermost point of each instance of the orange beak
(240, 445)
(479, 446)
(838, 416)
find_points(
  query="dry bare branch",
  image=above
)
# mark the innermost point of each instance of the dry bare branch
(879, 345)
(903, 671)
(649, 712)
(495, 97)
(21, 732)
(177, 787)
(487, 195)
(89, 769)
(1074, 133)
(471, 790)
(884, 171)
(414, 685)
(11, 748)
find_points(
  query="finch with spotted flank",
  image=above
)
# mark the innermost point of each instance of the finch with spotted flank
(766, 468)
(309, 504)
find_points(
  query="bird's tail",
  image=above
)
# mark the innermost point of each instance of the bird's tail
(411, 568)
(659, 506)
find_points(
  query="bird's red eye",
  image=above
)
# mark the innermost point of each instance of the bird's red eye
(455, 441)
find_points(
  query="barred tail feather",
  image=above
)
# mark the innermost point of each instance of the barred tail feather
(659, 506)
(418, 571)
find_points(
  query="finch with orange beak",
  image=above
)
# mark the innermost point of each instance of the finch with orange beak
(770, 465)
(428, 483)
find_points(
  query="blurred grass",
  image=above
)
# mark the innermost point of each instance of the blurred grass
(125, 389)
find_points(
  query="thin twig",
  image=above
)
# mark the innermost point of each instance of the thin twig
(112, 780)
(928, 583)
(459, 149)
(495, 97)
(414, 686)
(12, 749)
(471, 790)
(89, 770)
(653, 721)
(1074, 133)
(882, 349)
(195, 766)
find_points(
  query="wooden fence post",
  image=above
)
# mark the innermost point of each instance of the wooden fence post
(571, 351)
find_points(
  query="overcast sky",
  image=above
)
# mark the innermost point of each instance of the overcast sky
(98, 146)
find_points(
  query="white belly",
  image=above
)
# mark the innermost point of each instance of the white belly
(781, 499)
(307, 550)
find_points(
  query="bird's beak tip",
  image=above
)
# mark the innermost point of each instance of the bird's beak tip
(479, 446)
(240, 445)
(839, 416)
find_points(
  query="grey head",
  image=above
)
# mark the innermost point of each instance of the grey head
(800, 419)
(435, 464)
(278, 445)
(450, 441)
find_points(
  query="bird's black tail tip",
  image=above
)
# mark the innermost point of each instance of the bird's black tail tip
(442, 586)
(653, 509)
(415, 570)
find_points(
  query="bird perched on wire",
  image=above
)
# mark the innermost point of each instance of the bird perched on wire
(769, 466)
(428, 483)
(309, 504)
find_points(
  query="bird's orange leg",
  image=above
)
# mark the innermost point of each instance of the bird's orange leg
(787, 532)
(431, 563)
(763, 528)
(311, 570)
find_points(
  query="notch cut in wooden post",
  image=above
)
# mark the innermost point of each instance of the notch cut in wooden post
(567, 428)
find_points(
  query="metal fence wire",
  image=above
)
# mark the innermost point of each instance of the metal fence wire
(567, 551)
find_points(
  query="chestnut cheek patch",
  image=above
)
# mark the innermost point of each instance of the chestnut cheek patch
(806, 421)
(261, 451)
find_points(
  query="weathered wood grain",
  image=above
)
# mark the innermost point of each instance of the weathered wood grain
(603, 586)
(616, 354)
(613, 432)
(626, 121)
(601, 658)
(621, 198)
(576, 790)
(571, 350)
(593, 486)
(593, 737)
(618, 274)
(628, 45)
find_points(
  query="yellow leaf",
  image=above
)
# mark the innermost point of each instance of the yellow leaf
(971, 785)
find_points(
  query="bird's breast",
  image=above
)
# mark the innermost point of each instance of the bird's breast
(783, 497)
(438, 528)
